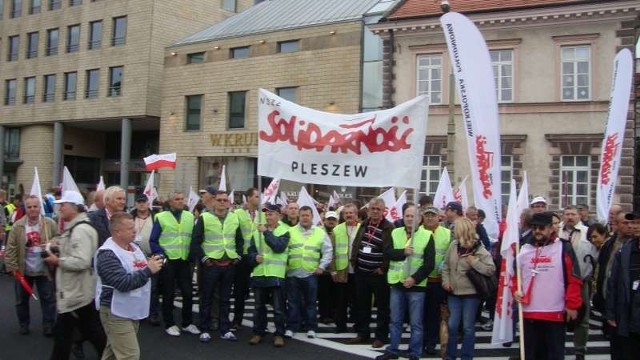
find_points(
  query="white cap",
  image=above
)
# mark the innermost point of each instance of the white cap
(331, 214)
(538, 199)
(70, 196)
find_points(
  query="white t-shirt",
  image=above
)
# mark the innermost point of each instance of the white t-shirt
(33, 264)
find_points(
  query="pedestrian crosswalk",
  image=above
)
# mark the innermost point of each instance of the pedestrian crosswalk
(598, 346)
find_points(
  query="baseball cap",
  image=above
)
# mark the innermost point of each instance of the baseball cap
(431, 210)
(538, 199)
(632, 216)
(543, 219)
(210, 189)
(581, 206)
(142, 197)
(271, 207)
(70, 196)
(330, 215)
(455, 206)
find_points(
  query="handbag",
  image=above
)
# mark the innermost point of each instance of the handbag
(486, 286)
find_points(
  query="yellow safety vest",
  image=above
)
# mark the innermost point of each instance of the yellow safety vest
(397, 269)
(176, 237)
(248, 225)
(273, 264)
(220, 238)
(442, 237)
(342, 245)
(305, 253)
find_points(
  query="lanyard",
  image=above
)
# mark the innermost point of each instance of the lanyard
(371, 232)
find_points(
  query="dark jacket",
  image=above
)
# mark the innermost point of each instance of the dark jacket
(603, 258)
(620, 297)
(100, 221)
(386, 227)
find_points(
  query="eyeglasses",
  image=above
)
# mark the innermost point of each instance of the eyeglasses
(375, 209)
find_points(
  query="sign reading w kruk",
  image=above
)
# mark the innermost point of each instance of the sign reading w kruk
(376, 149)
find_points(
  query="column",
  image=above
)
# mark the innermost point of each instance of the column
(125, 153)
(2, 185)
(58, 145)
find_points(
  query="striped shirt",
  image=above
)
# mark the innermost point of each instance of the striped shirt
(370, 254)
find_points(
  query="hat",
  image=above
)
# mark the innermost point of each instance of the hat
(538, 199)
(70, 196)
(142, 197)
(544, 219)
(271, 207)
(455, 206)
(582, 206)
(431, 210)
(331, 215)
(632, 216)
(210, 189)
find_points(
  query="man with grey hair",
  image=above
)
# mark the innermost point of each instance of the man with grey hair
(114, 201)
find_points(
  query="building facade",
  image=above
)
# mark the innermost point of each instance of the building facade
(82, 81)
(552, 63)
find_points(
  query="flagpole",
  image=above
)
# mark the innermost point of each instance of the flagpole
(260, 235)
(520, 314)
(407, 261)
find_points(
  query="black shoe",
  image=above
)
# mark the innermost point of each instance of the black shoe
(387, 356)
(507, 344)
(77, 350)
(579, 357)
(154, 321)
(340, 329)
(430, 350)
(47, 330)
(24, 330)
(414, 357)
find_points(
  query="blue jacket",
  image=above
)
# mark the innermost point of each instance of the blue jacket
(100, 221)
(620, 297)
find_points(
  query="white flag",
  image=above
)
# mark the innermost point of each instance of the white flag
(282, 200)
(223, 180)
(193, 199)
(36, 190)
(270, 193)
(68, 184)
(101, 186)
(304, 199)
(232, 199)
(523, 197)
(460, 193)
(150, 189)
(389, 198)
(244, 199)
(395, 211)
(444, 192)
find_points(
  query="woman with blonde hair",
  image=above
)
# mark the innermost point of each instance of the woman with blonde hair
(466, 252)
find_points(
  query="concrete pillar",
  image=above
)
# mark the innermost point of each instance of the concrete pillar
(2, 185)
(58, 145)
(125, 152)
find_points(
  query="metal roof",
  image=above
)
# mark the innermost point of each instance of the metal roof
(276, 15)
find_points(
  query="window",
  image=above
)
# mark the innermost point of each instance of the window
(75, 2)
(73, 38)
(95, 35)
(430, 77)
(29, 90)
(240, 52)
(506, 173)
(12, 143)
(16, 8)
(14, 47)
(1, 9)
(115, 81)
(237, 107)
(10, 88)
(32, 45)
(195, 58)
(574, 180)
(119, 35)
(229, 5)
(52, 42)
(288, 46)
(576, 70)
(54, 4)
(194, 111)
(92, 82)
(70, 83)
(35, 7)
(49, 88)
(431, 170)
(502, 62)
(288, 93)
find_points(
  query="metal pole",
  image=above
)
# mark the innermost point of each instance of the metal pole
(58, 135)
(125, 153)
(2, 155)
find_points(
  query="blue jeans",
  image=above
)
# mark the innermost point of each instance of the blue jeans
(215, 277)
(462, 308)
(261, 295)
(302, 294)
(47, 297)
(400, 301)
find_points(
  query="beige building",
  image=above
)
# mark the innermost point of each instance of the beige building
(308, 51)
(552, 62)
(81, 84)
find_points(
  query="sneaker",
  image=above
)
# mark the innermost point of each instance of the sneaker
(173, 331)
(311, 334)
(255, 340)
(288, 334)
(278, 341)
(488, 326)
(205, 337)
(191, 329)
(229, 336)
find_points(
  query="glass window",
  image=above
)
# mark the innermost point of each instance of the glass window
(10, 88)
(119, 35)
(73, 38)
(575, 181)
(229, 5)
(75, 2)
(502, 62)
(92, 84)
(371, 86)
(237, 107)
(54, 4)
(95, 34)
(14, 47)
(431, 170)
(12, 143)
(16, 8)
(35, 7)
(240, 52)
(288, 93)
(194, 112)
(29, 90)
(70, 83)
(288, 46)
(49, 88)
(429, 82)
(372, 46)
(576, 73)
(32, 45)
(506, 171)
(195, 58)
(52, 42)
(115, 81)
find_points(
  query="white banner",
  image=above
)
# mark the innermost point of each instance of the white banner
(375, 149)
(477, 92)
(444, 191)
(614, 132)
(460, 194)
(395, 211)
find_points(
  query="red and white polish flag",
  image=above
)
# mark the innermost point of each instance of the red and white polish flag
(155, 161)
